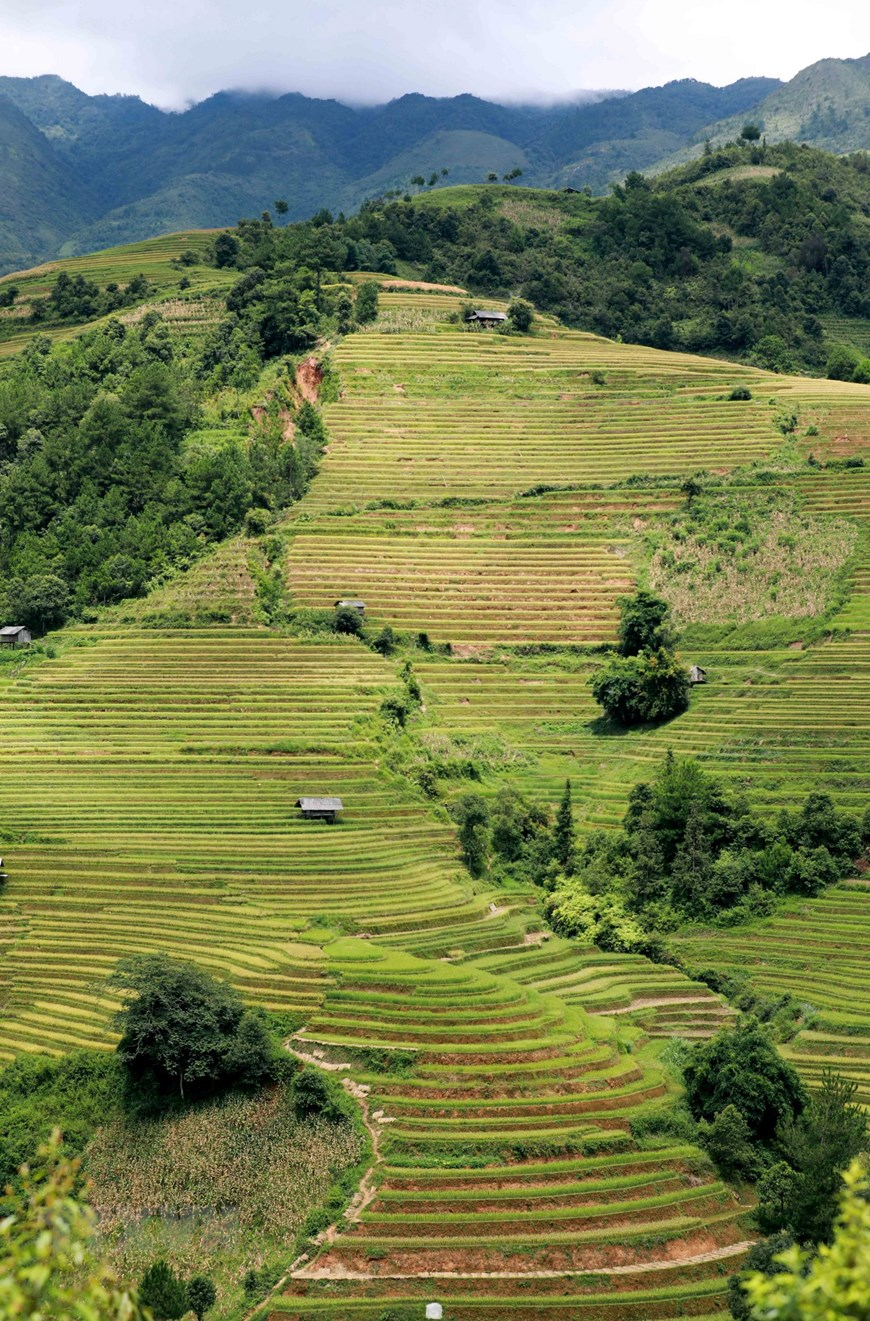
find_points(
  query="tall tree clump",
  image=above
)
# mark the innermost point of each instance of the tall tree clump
(184, 1034)
(646, 682)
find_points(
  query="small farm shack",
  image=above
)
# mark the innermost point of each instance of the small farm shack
(320, 809)
(15, 635)
(350, 603)
(697, 674)
(484, 318)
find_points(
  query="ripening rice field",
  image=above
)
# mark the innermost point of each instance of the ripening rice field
(495, 493)
(151, 807)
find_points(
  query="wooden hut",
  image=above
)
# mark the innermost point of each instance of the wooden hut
(697, 674)
(15, 635)
(351, 604)
(484, 318)
(320, 809)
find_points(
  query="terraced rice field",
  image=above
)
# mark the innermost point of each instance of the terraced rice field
(152, 798)
(504, 1074)
(151, 258)
(508, 1181)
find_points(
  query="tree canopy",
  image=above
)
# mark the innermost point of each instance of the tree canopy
(185, 1033)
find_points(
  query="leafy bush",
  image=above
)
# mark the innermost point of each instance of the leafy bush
(644, 689)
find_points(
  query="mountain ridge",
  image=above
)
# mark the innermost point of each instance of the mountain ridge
(95, 170)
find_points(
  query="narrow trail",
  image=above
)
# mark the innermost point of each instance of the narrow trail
(362, 1197)
(365, 1193)
(638, 1268)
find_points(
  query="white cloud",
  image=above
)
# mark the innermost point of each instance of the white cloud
(172, 51)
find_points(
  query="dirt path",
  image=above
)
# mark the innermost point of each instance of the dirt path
(637, 1268)
(365, 1193)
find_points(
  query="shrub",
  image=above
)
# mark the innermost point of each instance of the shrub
(740, 392)
(521, 314)
(742, 1068)
(347, 620)
(385, 642)
(644, 689)
(201, 1295)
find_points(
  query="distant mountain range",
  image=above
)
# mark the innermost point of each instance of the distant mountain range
(80, 172)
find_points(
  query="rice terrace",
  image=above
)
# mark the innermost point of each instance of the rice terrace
(383, 562)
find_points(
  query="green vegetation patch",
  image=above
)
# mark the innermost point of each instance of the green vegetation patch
(744, 555)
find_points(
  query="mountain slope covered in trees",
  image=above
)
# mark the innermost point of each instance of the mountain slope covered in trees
(145, 172)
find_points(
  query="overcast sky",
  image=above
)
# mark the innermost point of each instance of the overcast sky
(173, 52)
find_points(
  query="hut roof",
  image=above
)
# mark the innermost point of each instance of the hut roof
(481, 314)
(352, 603)
(12, 630)
(320, 804)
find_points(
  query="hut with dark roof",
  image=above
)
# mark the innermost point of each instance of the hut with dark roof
(485, 318)
(15, 635)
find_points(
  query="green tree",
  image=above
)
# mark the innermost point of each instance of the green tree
(226, 250)
(47, 1268)
(184, 1031)
(492, 177)
(201, 1295)
(521, 314)
(40, 602)
(472, 813)
(776, 1190)
(841, 364)
(281, 207)
(644, 624)
(161, 1290)
(366, 308)
(643, 689)
(742, 1067)
(827, 1285)
(728, 1143)
(564, 847)
(819, 1144)
(750, 132)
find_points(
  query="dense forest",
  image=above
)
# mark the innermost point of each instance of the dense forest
(100, 495)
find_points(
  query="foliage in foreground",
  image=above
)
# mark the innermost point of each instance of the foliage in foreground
(830, 1284)
(47, 1269)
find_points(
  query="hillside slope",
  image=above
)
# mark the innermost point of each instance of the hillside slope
(825, 105)
(42, 196)
(497, 493)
